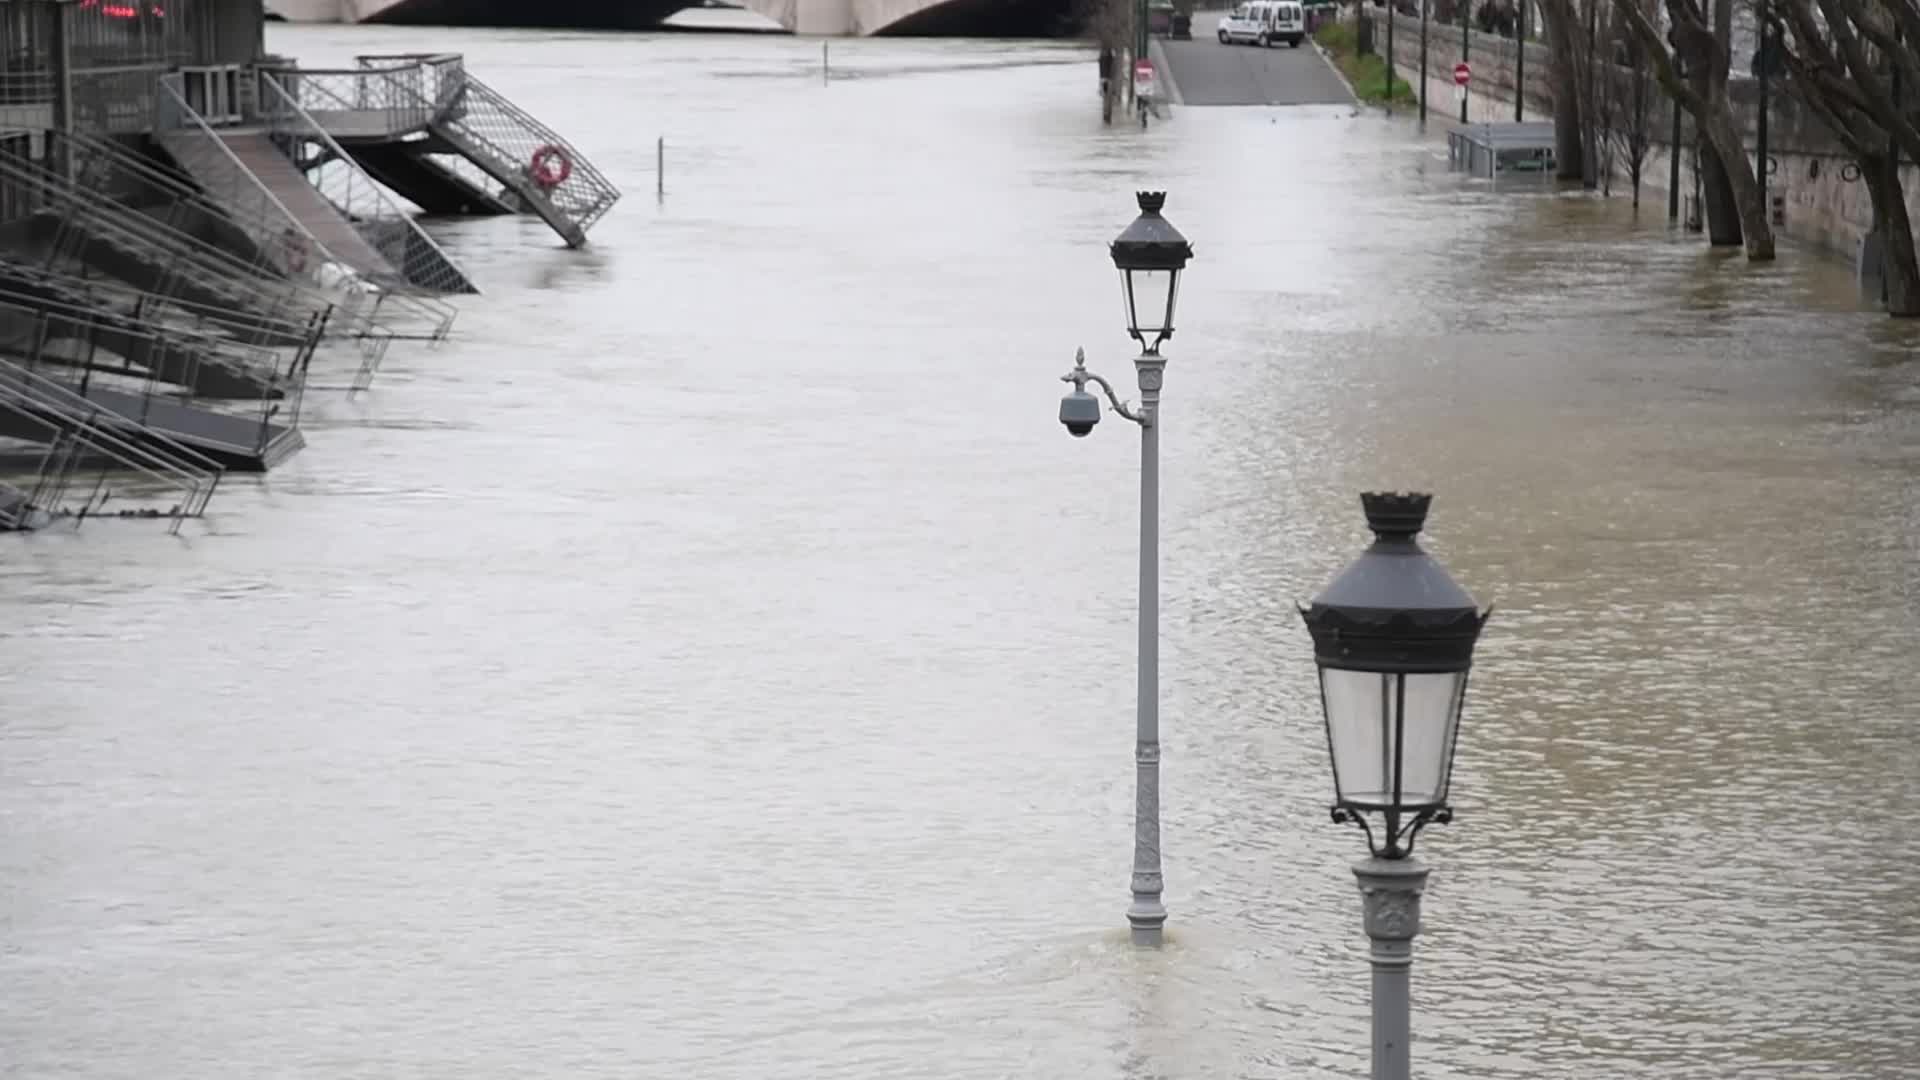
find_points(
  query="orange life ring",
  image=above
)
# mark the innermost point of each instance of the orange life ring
(551, 166)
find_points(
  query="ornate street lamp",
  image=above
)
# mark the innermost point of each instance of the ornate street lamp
(1150, 255)
(1393, 637)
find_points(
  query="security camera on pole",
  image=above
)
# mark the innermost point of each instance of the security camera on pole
(1150, 256)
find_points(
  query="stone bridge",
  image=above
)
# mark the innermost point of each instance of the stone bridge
(840, 18)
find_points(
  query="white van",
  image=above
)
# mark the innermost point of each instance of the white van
(1265, 23)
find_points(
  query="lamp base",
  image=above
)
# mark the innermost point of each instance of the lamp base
(1147, 917)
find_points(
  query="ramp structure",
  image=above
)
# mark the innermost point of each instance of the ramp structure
(444, 139)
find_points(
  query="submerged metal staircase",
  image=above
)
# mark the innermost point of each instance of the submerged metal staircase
(143, 471)
(89, 245)
(87, 357)
(448, 141)
(335, 213)
(255, 232)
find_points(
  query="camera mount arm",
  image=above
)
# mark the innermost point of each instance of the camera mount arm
(1080, 377)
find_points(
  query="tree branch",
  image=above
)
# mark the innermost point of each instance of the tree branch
(1663, 69)
(1876, 95)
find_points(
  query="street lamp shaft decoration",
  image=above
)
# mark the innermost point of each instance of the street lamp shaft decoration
(1150, 255)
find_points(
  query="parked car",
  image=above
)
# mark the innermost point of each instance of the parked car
(1160, 19)
(1264, 23)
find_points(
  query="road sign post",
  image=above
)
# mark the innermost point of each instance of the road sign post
(1462, 75)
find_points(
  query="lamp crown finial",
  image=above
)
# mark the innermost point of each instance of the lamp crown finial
(1151, 202)
(1396, 515)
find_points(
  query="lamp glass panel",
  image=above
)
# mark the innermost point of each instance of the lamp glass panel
(1391, 735)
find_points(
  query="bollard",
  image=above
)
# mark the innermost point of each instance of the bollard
(660, 167)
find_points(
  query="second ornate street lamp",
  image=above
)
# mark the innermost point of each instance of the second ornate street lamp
(1393, 637)
(1150, 256)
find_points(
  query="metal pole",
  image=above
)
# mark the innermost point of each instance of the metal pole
(1393, 16)
(1423, 62)
(1146, 914)
(660, 167)
(1760, 122)
(1673, 166)
(63, 87)
(1520, 65)
(826, 67)
(1590, 147)
(1390, 892)
(1466, 50)
(1141, 47)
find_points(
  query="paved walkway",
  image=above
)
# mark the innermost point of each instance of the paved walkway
(1209, 73)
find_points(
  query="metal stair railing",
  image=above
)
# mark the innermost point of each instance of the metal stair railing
(376, 216)
(104, 166)
(109, 437)
(398, 100)
(116, 165)
(243, 363)
(181, 259)
(484, 119)
(441, 75)
(164, 312)
(273, 228)
(513, 135)
(35, 337)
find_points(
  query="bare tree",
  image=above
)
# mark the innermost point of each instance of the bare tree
(1564, 30)
(1110, 24)
(1736, 209)
(1848, 59)
(1630, 116)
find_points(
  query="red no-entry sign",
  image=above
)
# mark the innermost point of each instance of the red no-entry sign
(1143, 78)
(1462, 74)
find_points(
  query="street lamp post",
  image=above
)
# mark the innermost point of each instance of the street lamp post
(1150, 256)
(1393, 639)
(1423, 62)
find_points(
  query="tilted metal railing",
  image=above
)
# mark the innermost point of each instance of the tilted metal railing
(262, 223)
(291, 248)
(512, 133)
(393, 104)
(485, 119)
(169, 313)
(75, 429)
(188, 267)
(43, 341)
(182, 264)
(182, 358)
(440, 78)
(374, 213)
(185, 258)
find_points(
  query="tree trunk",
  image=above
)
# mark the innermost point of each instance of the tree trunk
(1723, 138)
(1716, 195)
(1569, 137)
(1902, 269)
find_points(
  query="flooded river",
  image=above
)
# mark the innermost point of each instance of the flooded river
(717, 663)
